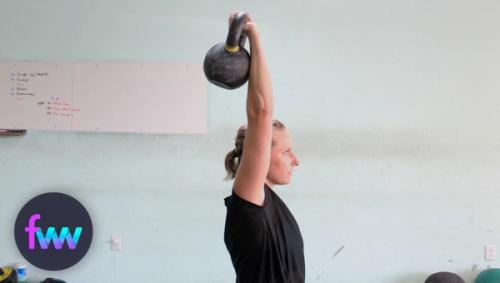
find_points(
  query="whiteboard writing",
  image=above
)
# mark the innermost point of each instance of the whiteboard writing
(109, 97)
(59, 107)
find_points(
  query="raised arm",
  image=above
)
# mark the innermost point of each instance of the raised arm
(254, 165)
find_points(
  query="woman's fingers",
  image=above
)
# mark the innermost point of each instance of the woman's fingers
(232, 15)
(249, 29)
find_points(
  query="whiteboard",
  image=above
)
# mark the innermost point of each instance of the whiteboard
(109, 97)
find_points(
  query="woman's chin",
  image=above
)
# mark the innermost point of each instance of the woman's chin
(287, 181)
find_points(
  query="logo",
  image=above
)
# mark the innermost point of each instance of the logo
(53, 231)
(51, 235)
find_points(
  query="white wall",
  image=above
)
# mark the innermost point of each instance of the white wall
(393, 107)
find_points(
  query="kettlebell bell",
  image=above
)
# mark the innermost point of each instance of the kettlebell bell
(228, 64)
(444, 277)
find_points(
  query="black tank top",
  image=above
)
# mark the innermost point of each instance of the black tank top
(264, 242)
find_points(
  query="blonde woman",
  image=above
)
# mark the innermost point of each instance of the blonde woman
(261, 234)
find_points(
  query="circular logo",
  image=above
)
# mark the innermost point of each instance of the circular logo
(53, 231)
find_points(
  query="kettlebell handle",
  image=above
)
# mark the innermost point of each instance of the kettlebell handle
(235, 38)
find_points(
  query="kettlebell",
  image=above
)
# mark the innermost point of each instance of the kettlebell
(444, 277)
(228, 64)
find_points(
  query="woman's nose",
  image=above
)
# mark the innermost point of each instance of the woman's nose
(295, 160)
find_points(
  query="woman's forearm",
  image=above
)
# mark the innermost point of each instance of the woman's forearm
(260, 96)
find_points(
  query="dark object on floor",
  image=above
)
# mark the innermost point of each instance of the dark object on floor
(444, 277)
(52, 280)
(8, 275)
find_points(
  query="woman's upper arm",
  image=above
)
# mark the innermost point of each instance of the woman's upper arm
(256, 157)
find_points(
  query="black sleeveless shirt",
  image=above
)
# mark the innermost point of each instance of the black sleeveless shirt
(264, 242)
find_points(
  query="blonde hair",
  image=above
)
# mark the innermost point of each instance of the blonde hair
(232, 160)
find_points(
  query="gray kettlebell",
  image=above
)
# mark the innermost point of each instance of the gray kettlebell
(228, 64)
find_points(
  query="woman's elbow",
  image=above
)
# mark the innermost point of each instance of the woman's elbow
(260, 113)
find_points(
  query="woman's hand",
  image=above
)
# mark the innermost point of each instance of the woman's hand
(250, 29)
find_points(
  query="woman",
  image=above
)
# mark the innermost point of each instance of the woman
(261, 234)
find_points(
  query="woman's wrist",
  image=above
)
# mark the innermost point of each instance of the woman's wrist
(251, 31)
